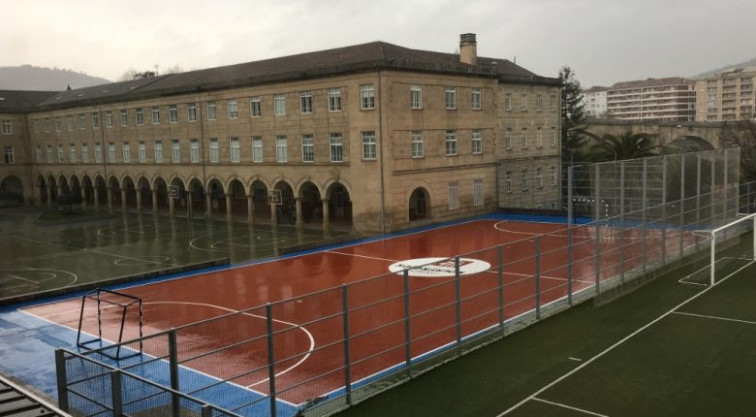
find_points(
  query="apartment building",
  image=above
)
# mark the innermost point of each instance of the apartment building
(728, 96)
(594, 99)
(376, 137)
(663, 99)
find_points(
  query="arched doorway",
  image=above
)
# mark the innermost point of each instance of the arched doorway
(178, 202)
(197, 192)
(419, 204)
(217, 197)
(339, 205)
(260, 201)
(114, 192)
(286, 212)
(161, 194)
(312, 206)
(238, 199)
(130, 193)
(86, 184)
(145, 194)
(11, 191)
(100, 192)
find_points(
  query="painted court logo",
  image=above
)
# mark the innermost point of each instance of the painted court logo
(438, 267)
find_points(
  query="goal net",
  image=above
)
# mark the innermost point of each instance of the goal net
(107, 319)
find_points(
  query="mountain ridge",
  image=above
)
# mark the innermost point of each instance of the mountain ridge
(29, 77)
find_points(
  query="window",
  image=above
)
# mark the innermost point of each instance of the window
(453, 196)
(334, 99)
(211, 110)
(538, 178)
(369, 150)
(126, 153)
(255, 109)
(523, 102)
(524, 138)
(139, 115)
(111, 152)
(308, 148)
(95, 120)
(58, 125)
(281, 148)
(233, 109)
(235, 151)
(191, 112)
(156, 115)
(539, 137)
(39, 154)
(142, 152)
(60, 154)
(416, 97)
(417, 144)
(305, 102)
(98, 152)
(175, 151)
(172, 113)
(477, 193)
(553, 137)
(84, 153)
(214, 151)
(367, 97)
(553, 175)
(158, 151)
(507, 101)
(36, 126)
(476, 99)
(72, 153)
(476, 142)
(451, 98)
(47, 125)
(8, 155)
(508, 139)
(108, 119)
(451, 142)
(552, 103)
(69, 123)
(524, 178)
(508, 182)
(539, 102)
(82, 121)
(7, 127)
(124, 117)
(257, 149)
(194, 151)
(49, 154)
(279, 105)
(337, 147)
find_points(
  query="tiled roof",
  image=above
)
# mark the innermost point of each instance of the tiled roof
(13, 101)
(351, 59)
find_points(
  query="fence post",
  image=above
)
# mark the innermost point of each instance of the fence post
(712, 187)
(597, 241)
(174, 372)
(271, 359)
(622, 221)
(458, 305)
(644, 217)
(724, 188)
(500, 256)
(537, 274)
(407, 333)
(347, 356)
(115, 383)
(570, 223)
(62, 377)
(664, 210)
(207, 411)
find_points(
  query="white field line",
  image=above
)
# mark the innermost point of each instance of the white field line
(580, 410)
(703, 316)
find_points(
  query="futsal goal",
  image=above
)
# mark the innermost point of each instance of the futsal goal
(106, 318)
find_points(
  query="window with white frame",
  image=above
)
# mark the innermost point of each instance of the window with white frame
(95, 120)
(524, 138)
(141, 152)
(139, 116)
(235, 150)
(82, 121)
(194, 151)
(49, 154)
(308, 148)
(416, 97)
(191, 112)
(539, 102)
(8, 156)
(69, 123)
(367, 97)
(98, 152)
(450, 96)
(508, 139)
(255, 107)
(36, 126)
(507, 101)
(47, 125)
(305, 102)
(334, 99)
(111, 152)
(337, 147)
(281, 149)
(158, 152)
(451, 142)
(175, 151)
(39, 154)
(476, 142)
(58, 125)
(524, 178)
(72, 153)
(552, 102)
(553, 137)
(369, 148)
(477, 192)
(233, 109)
(108, 119)
(539, 137)
(84, 153)
(453, 196)
(279, 104)
(173, 113)
(508, 182)
(126, 153)
(214, 151)
(553, 175)
(476, 99)
(211, 109)
(417, 144)
(124, 117)
(60, 154)
(7, 126)
(155, 115)
(523, 102)
(538, 178)
(257, 149)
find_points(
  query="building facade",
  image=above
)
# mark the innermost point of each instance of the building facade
(729, 96)
(594, 99)
(664, 99)
(375, 136)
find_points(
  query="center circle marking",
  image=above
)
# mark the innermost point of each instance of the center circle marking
(438, 267)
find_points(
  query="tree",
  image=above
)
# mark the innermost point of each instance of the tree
(743, 134)
(573, 116)
(627, 145)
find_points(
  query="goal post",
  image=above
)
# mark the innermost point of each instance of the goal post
(109, 316)
(735, 241)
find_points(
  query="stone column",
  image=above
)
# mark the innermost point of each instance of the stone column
(139, 200)
(49, 196)
(298, 203)
(171, 207)
(154, 200)
(326, 214)
(123, 199)
(83, 192)
(109, 192)
(229, 213)
(96, 198)
(273, 214)
(250, 209)
(208, 205)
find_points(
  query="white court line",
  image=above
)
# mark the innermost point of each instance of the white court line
(580, 410)
(614, 346)
(703, 316)
(361, 256)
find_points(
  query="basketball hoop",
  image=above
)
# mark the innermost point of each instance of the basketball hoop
(274, 197)
(174, 192)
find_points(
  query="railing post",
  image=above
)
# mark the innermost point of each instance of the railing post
(407, 332)
(597, 240)
(500, 256)
(62, 378)
(271, 359)
(664, 210)
(174, 372)
(115, 383)
(537, 274)
(347, 356)
(207, 411)
(622, 221)
(458, 305)
(644, 217)
(681, 221)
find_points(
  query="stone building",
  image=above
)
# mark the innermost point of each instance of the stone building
(376, 137)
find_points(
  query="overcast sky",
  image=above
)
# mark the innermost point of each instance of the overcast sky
(604, 41)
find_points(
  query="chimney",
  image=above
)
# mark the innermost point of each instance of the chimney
(468, 49)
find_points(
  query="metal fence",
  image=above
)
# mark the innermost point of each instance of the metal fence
(322, 352)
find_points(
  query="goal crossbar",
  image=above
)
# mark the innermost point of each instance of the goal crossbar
(752, 218)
